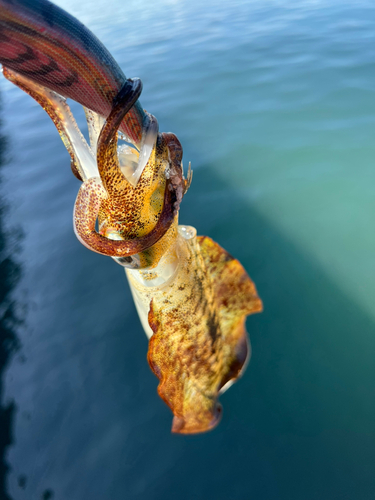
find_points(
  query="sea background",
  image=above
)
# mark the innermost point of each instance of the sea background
(274, 104)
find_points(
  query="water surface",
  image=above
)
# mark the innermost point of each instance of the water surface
(274, 104)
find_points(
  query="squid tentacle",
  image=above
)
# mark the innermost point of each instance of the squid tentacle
(92, 193)
(107, 146)
(86, 210)
(82, 159)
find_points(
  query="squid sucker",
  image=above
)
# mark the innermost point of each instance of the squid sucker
(192, 296)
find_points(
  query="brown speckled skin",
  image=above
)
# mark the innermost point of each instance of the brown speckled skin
(140, 215)
(200, 341)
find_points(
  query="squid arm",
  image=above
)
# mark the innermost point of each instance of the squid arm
(192, 297)
(45, 44)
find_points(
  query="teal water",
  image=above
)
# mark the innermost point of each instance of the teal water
(274, 104)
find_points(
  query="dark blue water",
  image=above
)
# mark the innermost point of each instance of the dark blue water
(274, 104)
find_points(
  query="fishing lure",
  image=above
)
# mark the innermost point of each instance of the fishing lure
(191, 295)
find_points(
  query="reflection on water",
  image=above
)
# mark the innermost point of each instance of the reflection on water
(9, 320)
(274, 104)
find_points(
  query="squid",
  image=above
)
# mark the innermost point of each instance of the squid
(191, 295)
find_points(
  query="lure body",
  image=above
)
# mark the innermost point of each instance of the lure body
(191, 295)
